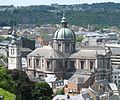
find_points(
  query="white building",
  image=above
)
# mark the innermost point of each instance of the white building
(14, 57)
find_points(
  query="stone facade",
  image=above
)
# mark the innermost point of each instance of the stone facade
(64, 60)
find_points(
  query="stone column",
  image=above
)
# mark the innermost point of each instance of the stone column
(87, 66)
(33, 66)
(70, 47)
(32, 62)
(41, 65)
(77, 64)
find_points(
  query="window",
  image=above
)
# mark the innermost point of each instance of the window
(67, 49)
(29, 62)
(66, 86)
(72, 64)
(91, 65)
(60, 65)
(118, 81)
(59, 47)
(12, 51)
(82, 64)
(37, 62)
(118, 76)
(49, 67)
(66, 64)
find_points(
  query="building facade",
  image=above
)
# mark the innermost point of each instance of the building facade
(63, 60)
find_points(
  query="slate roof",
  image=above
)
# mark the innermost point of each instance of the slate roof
(87, 54)
(78, 79)
(56, 54)
(41, 52)
(48, 53)
(104, 83)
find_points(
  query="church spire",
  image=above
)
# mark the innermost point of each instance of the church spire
(64, 22)
(13, 41)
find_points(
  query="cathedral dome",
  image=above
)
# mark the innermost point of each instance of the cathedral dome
(64, 33)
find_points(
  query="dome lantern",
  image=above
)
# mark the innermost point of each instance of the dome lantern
(64, 22)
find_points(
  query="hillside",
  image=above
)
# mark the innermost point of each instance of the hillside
(102, 14)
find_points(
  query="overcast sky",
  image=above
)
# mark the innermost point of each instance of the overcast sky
(48, 2)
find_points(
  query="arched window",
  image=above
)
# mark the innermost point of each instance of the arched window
(12, 51)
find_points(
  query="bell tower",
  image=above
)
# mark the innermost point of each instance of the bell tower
(14, 57)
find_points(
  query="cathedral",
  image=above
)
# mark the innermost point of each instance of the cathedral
(62, 59)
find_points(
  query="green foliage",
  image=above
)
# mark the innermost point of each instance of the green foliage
(24, 86)
(43, 35)
(7, 95)
(59, 92)
(6, 81)
(42, 91)
(1, 38)
(79, 38)
(8, 38)
(105, 14)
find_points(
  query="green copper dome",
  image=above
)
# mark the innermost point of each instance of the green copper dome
(64, 33)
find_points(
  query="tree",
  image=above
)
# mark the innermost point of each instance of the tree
(79, 38)
(2, 38)
(42, 91)
(24, 86)
(59, 91)
(6, 81)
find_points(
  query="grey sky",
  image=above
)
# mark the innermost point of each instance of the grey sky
(48, 2)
